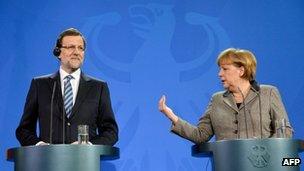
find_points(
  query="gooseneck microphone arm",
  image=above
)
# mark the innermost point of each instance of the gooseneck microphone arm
(51, 115)
(260, 111)
(63, 125)
(245, 115)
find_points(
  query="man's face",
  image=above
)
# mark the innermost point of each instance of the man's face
(72, 53)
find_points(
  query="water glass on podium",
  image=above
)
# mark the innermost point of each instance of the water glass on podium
(83, 134)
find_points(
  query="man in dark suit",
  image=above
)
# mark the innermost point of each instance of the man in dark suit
(68, 98)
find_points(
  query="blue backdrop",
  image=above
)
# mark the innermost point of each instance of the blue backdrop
(144, 49)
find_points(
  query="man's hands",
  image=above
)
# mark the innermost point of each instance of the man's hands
(44, 143)
(76, 143)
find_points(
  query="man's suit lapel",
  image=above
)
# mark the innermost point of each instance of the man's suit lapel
(83, 89)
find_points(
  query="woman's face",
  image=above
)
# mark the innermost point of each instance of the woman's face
(230, 75)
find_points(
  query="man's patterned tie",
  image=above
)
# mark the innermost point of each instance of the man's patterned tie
(68, 95)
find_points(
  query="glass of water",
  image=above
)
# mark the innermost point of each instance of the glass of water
(83, 134)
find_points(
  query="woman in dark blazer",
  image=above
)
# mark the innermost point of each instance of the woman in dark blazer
(244, 110)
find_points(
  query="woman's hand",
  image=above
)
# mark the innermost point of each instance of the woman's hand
(162, 107)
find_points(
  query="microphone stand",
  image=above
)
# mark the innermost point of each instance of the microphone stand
(246, 125)
(51, 115)
(63, 125)
(260, 111)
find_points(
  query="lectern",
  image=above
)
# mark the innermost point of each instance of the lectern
(250, 154)
(61, 157)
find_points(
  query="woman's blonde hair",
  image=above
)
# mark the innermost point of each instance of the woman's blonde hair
(239, 58)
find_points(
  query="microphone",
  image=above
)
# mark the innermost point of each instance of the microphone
(245, 115)
(51, 115)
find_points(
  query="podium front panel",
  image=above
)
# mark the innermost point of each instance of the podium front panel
(250, 154)
(61, 157)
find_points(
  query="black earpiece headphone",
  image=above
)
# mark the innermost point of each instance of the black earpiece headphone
(57, 50)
